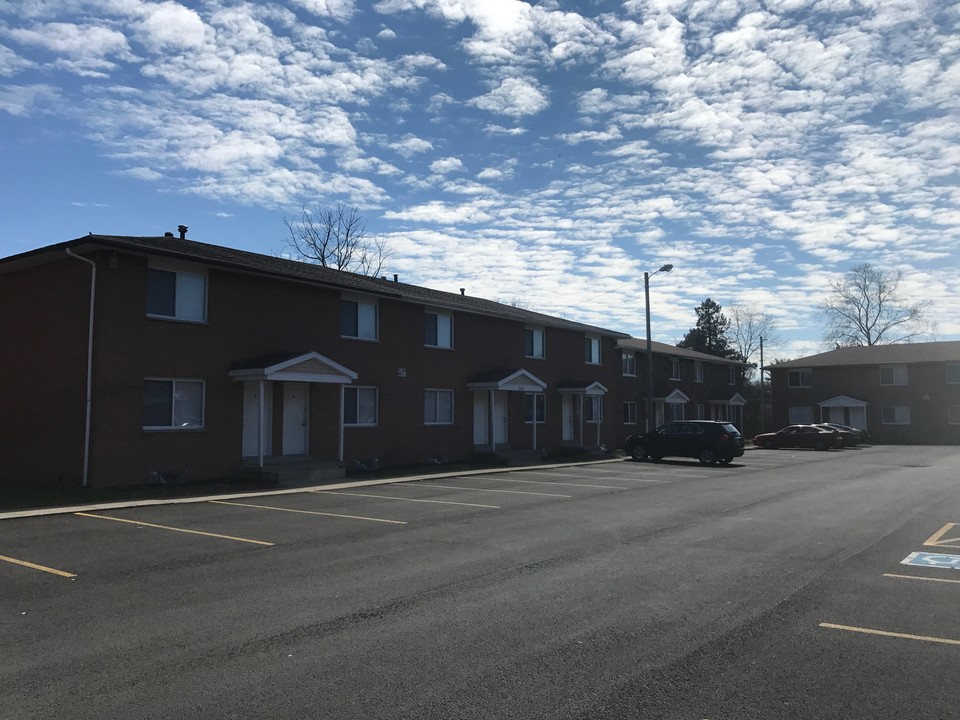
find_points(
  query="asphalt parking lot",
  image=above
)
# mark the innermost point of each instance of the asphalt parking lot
(773, 587)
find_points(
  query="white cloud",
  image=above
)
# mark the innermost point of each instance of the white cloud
(514, 97)
(169, 25)
(339, 9)
(446, 165)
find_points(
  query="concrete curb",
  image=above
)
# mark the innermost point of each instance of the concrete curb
(66, 510)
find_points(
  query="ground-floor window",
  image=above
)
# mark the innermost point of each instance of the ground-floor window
(438, 407)
(801, 416)
(629, 413)
(593, 408)
(360, 406)
(895, 415)
(953, 414)
(700, 412)
(170, 404)
(535, 403)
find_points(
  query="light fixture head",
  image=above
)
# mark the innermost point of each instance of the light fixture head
(666, 268)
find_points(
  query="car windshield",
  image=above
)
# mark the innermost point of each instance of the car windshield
(730, 429)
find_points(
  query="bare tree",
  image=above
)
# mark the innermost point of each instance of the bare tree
(747, 325)
(864, 308)
(336, 237)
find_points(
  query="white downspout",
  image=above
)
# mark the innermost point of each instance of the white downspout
(89, 401)
(260, 424)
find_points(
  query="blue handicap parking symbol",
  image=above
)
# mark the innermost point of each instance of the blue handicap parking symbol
(934, 560)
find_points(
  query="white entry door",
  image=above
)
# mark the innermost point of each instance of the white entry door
(568, 418)
(251, 418)
(296, 413)
(858, 417)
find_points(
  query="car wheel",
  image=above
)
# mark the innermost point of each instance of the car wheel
(638, 452)
(819, 445)
(726, 460)
(769, 444)
(708, 457)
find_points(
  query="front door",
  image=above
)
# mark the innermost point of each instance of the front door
(296, 413)
(568, 418)
(858, 418)
(251, 418)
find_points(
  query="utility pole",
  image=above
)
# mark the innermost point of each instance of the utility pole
(762, 403)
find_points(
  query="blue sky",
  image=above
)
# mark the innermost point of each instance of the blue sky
(544, 153)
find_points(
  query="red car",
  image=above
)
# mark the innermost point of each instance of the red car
(800, 436)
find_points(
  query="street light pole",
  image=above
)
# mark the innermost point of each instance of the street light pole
(646, 296)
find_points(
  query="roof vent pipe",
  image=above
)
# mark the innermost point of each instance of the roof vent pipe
(463, 291)
(168, 234)
(183, 231)
(396, 278)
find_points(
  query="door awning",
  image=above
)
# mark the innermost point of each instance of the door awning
(581, 387)
(303, 367)
(843, 401)
(516, 381)
(676, 398)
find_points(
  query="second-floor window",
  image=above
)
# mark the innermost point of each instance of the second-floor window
(438, 330)
(358, 319)
(732, 374)
(799, 378)
(698, 372)
(893, 374)
(591, 349)
(953, 374)
(533, 342)
(629, 360)
(176, 295)
(674, 368)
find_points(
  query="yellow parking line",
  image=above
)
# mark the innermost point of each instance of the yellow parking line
(34, 566)
(920, 577)
(886, 633)
(472, 489)
(174, 529)
(309, 512)
(935, 539)
(388, 497)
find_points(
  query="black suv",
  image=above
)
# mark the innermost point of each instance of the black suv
(706, 440)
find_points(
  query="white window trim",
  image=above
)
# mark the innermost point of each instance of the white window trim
(376, 422)
(634, 404)
(698, 372)
(438, 314)
(361, 299)
(534, 401)
(895, 415)
(599, 405)
(900, 372)
(633, 362)
(801, 372)
(675, 368)
(434, 423)
(203, 406)
(543, 342)
(597, 340)
(182, 269)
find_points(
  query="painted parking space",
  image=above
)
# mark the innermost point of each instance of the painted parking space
(379, 496)
(34, 566)
(170, 528)
(318, 513)
(500, 491)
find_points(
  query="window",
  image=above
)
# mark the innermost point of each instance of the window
(629, 413)
(698, 371)
(176, 295)
(699, 410)
(629, 361)
(953, 374)
(674, 368)
(438, 329)
(800, 416)
(953, 414)
(535, 402)
(591, 346)
(359, 406)
(172, 404)
(593, 408)
(731, 374)
(895, 415)
(533, 342)
(438, 407)
(800, 378)
(358, 319)
(893, 374)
